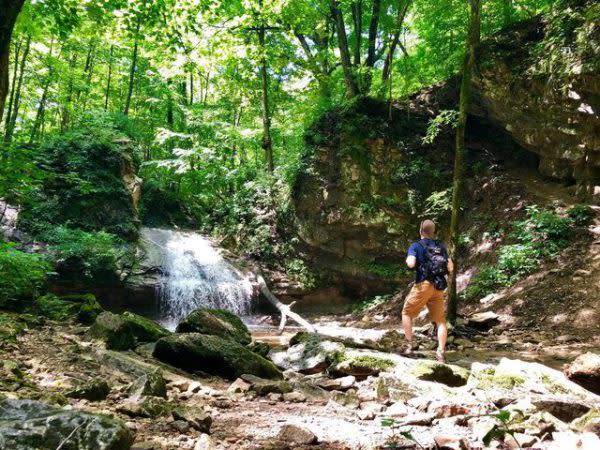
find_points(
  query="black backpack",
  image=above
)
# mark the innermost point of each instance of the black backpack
(435, 266)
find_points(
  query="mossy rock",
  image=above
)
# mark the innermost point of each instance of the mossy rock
(145, 330)
(114, 330)
(447, 374)
(260, 348)
(151, 383)
(96, 390)
(360, 366)
(27, 424)
(84, 307)
(224, 357)
(124, 331)
(216, 322)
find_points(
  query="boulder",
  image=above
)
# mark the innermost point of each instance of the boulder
(585, 371)
(307, 356)
(264, 387)
(124, 331)
(144, 330)
(217, 322)
(114, 331)
(212, 354)
(151, 383)
(296, 435)
(566, 410)
(27, 424)
(195, 417)
(204, 442)
(95, 390)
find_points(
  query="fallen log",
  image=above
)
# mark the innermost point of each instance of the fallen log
(285, 310)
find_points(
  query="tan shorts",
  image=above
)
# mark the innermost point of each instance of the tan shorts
(422, 294)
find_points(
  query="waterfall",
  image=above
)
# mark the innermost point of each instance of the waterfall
(196, 275)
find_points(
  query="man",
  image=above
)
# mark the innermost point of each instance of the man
(429, 258)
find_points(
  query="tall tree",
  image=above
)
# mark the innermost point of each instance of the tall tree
(132, 68)
(267, 143)
(342, 38)
(9, 11)
(469, 65)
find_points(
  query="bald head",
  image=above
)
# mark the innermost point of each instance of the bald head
(427, 229)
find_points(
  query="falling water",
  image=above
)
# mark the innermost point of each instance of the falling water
(195, 275)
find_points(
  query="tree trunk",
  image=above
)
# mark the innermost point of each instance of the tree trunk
(267, 144)
(110, 61)
(132, 71)
(373, 33)
(39, 116)
(11, 119)
(468, 67)
(10, 10)
(191, 87)
(403, 6)
(13, 84)
(357, 18)
(349, 78)
(67, 104)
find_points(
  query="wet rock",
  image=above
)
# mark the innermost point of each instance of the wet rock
(307, 356)
(95, 390)
(151, 383)
(447, 374)
(483, 320)
(263, 387)
(260, 348)
(114, 331)
(585, 371)
(296, 435)
(216, 322)
(195, 417)
(26, 424)
(212, 354)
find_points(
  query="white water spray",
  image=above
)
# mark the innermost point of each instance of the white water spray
(195, 275)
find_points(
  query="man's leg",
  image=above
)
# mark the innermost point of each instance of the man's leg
(437, 313)
(413, 304)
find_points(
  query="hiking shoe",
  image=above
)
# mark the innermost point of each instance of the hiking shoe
(406, 348)
(440, 356)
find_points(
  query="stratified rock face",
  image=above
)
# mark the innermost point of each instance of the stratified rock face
(26, 424)
(356, 207)
(542, 84)
(212, 354)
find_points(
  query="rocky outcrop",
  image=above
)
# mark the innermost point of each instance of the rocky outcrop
(225, 357)
(26, 424)
(542, 85)
(369, 174)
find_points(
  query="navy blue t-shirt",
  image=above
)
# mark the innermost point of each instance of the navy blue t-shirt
(416, 249)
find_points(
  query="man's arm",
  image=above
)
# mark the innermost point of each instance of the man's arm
(411, 261)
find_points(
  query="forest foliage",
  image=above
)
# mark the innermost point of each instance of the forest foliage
(216, 96)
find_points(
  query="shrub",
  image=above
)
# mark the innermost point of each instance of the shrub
(80, 253)
(581, 215)
(22, 276)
